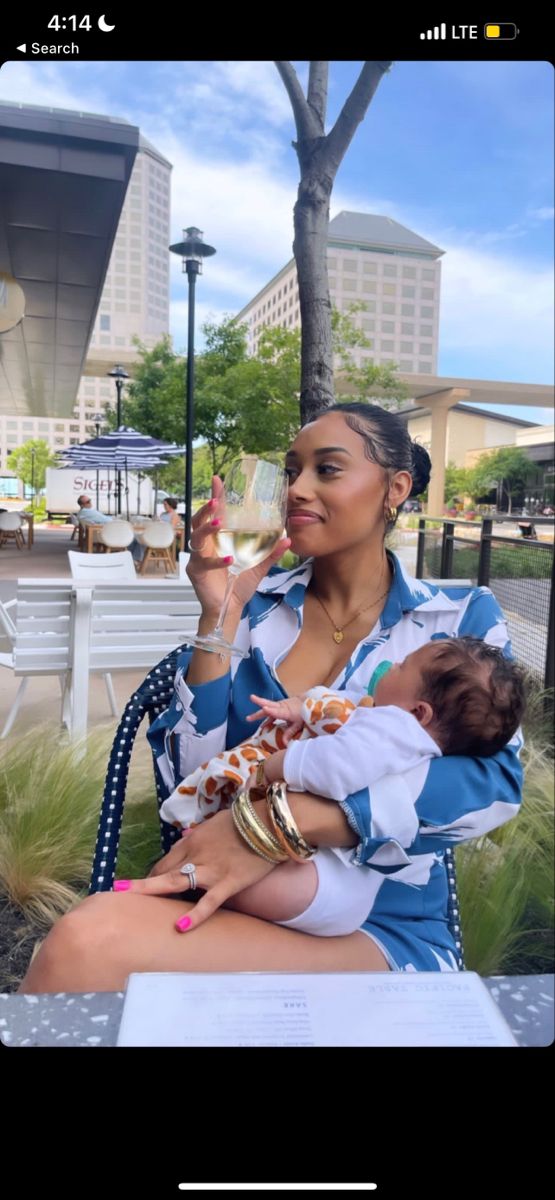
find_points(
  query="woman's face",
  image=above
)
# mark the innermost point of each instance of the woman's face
(337, 497)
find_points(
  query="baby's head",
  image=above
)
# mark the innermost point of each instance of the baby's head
(464, 692)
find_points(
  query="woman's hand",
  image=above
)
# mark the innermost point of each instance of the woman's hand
(224, 865)
(208, 572)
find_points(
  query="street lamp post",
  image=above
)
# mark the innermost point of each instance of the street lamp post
(97, 424)
(119, 374)
(33, 452)
(192, 251)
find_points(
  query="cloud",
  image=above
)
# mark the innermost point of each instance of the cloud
(204, 311)
(499, 311)
(54, 86)
(542, 214)
(226, 127)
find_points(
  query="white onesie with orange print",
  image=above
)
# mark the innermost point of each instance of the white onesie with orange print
(372, 742)
(368, 742)
(216, 783)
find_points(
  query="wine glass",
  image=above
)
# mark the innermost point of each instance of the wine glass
(252, 515)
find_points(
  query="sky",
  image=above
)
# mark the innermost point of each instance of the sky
(460, 152)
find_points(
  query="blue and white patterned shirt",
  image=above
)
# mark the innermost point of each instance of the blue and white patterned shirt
(403, 822)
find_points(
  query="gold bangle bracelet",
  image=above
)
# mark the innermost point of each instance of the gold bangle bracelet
(253, 822)
(285, 827)
(256, 829)
(253, 829)
(242, 833)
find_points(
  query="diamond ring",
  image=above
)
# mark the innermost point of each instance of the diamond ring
(189, 870)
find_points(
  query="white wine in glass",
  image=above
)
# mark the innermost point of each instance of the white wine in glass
(252, 515)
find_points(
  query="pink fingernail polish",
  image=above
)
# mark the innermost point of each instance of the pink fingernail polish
(229, 559)
(122, 885)
(183, 924)
(215, 522)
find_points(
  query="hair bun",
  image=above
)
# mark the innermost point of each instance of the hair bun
(421, 468)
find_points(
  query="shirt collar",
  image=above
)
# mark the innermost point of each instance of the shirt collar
(406, 594)
(291, 585)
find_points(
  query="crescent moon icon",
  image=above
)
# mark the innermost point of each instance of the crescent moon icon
(103, 26)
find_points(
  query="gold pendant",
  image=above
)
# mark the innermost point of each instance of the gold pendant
(338, 636)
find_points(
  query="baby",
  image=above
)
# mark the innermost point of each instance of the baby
(454, 696)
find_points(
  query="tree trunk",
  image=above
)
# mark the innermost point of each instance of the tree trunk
(311, 218)
(319, 157)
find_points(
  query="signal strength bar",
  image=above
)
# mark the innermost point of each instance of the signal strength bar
(439, 32)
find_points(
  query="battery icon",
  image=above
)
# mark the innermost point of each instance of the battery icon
(501, 32)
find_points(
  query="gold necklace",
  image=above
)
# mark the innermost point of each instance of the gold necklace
(337, 635)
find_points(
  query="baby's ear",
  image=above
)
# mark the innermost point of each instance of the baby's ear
(423, 712)
(365, 702)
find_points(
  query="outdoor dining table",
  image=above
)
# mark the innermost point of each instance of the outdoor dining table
(87, 534)
(92, 1019)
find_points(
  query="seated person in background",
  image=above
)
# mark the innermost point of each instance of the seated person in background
(170, 512)
(137, 548)
(89, 515)
(451, 696)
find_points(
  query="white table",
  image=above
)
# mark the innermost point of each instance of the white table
(92, 1019)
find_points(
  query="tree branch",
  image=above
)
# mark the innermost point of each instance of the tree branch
(306, 124)
(354, 109)
(317, 95)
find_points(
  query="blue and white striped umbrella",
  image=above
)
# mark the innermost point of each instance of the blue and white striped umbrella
(123, 447)
(122, 450)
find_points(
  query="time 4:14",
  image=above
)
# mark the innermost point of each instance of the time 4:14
(56, 23)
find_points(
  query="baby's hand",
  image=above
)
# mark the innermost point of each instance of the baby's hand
(280, 710)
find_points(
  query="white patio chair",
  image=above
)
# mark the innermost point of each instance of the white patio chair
(183, 560)
(45, 650)
(112, 568)
(158, 537)
(7, 660)
(10, 529)
(116, 535)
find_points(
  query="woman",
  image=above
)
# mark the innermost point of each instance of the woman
(330, 621)
(170, 512)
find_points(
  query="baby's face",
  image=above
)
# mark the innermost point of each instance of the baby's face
(402, 685)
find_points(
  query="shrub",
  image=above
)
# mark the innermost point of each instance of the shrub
(49, 808)
(507, 562)
(505, 880)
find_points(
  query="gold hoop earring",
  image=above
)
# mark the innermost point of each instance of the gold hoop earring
(390, 514)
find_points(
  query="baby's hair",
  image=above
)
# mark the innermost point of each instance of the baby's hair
(477, 695)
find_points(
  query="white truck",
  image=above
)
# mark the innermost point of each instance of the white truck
(64, 486)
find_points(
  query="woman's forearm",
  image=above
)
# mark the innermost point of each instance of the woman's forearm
(322, 822)
(206, 666)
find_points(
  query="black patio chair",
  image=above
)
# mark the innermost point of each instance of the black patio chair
(150, 699)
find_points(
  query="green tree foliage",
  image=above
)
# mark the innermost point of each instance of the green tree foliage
(242, 402)
(21, 461)
(506, 468)
(153, 402)
(457, 483)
